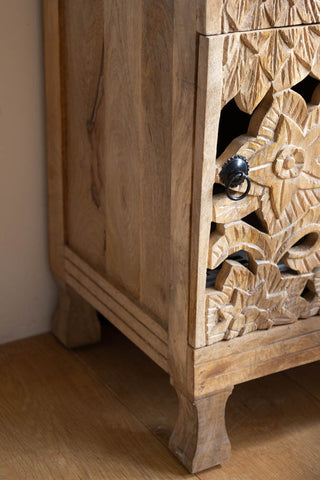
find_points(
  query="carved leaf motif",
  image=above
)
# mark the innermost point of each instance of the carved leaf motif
(301, 244)
(244, 301)
(237, 236)
(257, 61)
(225, 210)
(257, 14)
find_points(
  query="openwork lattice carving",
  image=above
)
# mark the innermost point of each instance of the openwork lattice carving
(255, 14)
(282, 147)
(284, 158)
(245, 301)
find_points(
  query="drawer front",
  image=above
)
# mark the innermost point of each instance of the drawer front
(223, 16)
(261, 252)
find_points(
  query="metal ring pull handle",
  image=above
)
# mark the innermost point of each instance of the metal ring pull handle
(234, 178)
(233, 173)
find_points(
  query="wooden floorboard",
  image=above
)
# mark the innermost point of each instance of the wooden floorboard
(307, 377)
(273, 422)
(106, 412)
(58, 421)
(143, 387)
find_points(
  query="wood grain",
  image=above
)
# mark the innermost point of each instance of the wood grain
(255, 355)
(257, 340)
(69, 424)
(81, 270)
(277, 435)
(207, 121)
(272, 420)
(307, 377)
(127, 371)
(74, 322)
(83, 47)
(183, 111)
(85, 416)
(140, 327)
(141, 336)
(125, 368)
(122, 145)
(207, 381)
(156, 126)
(142, 99)
(199, 438)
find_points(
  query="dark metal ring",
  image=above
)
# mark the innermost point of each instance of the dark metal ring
(232, 180)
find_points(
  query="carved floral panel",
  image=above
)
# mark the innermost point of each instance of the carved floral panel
(259, 299)
(283, 151)
(278, 223)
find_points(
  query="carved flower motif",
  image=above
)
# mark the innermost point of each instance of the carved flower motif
(283, 151)
(288, 163)
(243, 301)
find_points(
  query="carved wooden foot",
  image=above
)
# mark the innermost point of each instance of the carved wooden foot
(75, 322)
(200, 439)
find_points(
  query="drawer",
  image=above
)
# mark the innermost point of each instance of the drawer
(224, 16)
(259, 104)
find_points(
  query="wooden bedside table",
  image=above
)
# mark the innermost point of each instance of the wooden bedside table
(153, 105)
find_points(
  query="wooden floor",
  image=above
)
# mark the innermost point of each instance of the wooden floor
(105, 412)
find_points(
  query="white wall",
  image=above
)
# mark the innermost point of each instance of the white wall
(27, 291)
